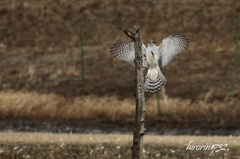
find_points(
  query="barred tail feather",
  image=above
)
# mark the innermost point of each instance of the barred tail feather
(155, 80)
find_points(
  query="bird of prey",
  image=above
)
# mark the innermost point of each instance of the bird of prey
(154, 57)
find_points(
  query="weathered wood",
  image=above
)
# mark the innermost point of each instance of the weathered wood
(138, 134)
(129, 34)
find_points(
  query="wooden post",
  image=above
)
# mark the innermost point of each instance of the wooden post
(82, 57)
(139, 129)
(235, 57)
(158, 103)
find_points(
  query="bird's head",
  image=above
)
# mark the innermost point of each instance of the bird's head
(152, 43)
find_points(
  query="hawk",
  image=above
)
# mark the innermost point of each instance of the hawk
(154, 57)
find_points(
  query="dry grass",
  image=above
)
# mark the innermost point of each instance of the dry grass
(40, 74)
(40, 64)
(38, 145)
(114, 139)
(19, 105)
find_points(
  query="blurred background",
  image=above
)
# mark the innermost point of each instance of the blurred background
(45, 44)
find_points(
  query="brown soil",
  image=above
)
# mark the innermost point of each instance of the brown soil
(40, 55)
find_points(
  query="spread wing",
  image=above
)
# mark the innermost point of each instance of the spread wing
(170, 47)
(125, 51)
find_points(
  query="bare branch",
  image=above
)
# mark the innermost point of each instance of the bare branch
(129, 34)
(139, 129)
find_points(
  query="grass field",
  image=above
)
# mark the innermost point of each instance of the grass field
(40, 77)
(19, 105)
(38, 145)
(40, 59)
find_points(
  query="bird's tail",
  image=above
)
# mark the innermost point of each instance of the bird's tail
(155, 80)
